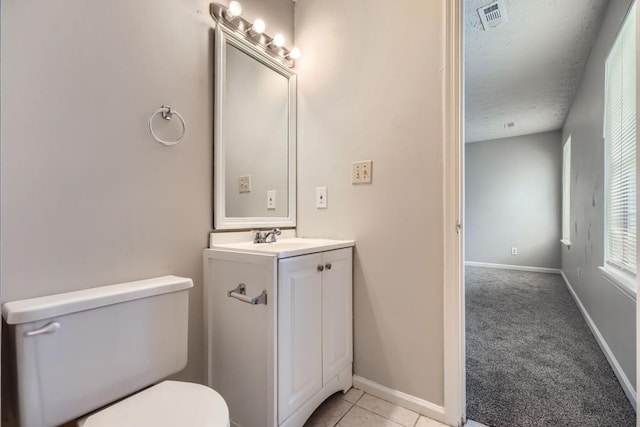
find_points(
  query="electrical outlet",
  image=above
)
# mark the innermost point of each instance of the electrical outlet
(321, 197)
(244, 183)
(361, 172)
(271, 199)
(514, 251)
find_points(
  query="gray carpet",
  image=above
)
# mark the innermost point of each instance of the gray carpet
(531, 358)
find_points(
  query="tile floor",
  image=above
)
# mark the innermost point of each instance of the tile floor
(358, 409)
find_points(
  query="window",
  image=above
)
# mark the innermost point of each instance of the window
(566, 192)
(620, 157)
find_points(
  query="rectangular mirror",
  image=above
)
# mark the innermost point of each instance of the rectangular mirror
(254, 136)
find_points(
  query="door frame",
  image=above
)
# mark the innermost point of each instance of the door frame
(453, 191)
(454, 322)
(637, 220)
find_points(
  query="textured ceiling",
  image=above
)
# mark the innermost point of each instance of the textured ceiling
(526, 71)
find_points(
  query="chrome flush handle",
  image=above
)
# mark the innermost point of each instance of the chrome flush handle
(47, 329)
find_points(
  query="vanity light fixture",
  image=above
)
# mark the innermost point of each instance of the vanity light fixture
(257, 27)
(293, 53)
(233, 10)
(230, 17)
(277, 41)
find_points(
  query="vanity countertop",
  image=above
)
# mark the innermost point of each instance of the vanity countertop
(285, 248)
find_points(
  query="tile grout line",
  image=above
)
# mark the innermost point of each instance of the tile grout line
(382, 416)
(351, 405)
(345, 412)
(358, 399)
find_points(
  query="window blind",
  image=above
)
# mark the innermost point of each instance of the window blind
(566, 191)
(620, 143)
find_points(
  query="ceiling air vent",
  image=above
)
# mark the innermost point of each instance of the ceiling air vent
(493, 15)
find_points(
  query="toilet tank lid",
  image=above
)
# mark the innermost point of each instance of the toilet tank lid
(40, 308)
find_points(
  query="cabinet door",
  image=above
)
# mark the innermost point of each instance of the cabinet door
(299, 332)
(337, 312)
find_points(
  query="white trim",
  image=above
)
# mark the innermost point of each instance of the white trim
(399, 398)
(617, 369)
(637, 239)
(514, 267)
(565, 242)
(620, 279)
(453, 212)
(223, 37)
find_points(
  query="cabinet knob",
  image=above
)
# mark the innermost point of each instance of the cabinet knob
(320, 267)
(328, 266)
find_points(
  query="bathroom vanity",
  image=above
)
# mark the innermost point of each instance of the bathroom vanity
(279, 327)
(278, 316)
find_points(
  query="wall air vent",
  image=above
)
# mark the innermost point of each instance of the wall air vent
(493, 15)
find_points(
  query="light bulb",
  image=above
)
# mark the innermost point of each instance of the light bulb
(234, 9)
(294, 54)
(258, 26)
(278, 40)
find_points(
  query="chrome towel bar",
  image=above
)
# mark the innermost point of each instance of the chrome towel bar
(240, 293)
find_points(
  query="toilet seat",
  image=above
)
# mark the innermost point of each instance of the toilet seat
(168, 404)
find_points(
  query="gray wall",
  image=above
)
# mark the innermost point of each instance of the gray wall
(88, 197)
(513, 198)
(612, 311)
(356, 103)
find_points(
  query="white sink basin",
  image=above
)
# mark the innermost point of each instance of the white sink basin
(286, 247)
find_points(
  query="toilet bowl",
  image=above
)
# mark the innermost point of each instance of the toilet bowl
(77, 352)
(168, 404)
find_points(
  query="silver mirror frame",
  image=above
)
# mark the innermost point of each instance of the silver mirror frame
(221, 221)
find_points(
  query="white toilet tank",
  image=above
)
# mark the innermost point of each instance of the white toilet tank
(78, 351)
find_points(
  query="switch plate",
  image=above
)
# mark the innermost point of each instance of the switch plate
(361, 172)
(244, 183)
(321, 197)
(514, 251)
(271, 199)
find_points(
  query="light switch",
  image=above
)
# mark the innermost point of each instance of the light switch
(321, 197)
(361, 172)
(244, 183)
(271, 199)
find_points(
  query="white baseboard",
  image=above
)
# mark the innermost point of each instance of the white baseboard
(617, 369)
(399, 398)
(513, 267)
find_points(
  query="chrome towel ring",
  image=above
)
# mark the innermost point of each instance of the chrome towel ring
(167, 114)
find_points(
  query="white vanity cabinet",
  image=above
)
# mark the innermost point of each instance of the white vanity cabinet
(275, 363)
(314, 325)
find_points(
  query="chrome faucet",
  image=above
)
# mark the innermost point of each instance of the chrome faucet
(267, 237)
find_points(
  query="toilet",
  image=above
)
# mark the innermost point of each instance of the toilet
(100, 356)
